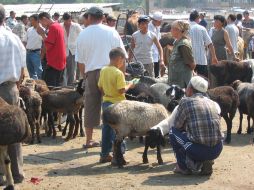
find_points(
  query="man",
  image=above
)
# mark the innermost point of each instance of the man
(111, 21)
(141, 43)
(20, 28)
(55, 49)
(56, 17)
(71, 32)
(195, 136)
(247, 21)
(233, 33)
(11, 21)
(200, 39)
(239, 23)
(202, 19)
(154, 26)
(93, 46)
(12, 64)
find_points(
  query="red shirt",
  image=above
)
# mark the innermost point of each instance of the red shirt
(55, 47)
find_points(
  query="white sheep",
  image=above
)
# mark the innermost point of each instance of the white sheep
(132, 118)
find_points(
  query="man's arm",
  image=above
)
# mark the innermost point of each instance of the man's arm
(213, 55)
(158, 45)
(81, 67)
(132, 48)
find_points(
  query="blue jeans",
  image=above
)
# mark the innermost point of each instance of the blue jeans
(33, 62)
(183, 147)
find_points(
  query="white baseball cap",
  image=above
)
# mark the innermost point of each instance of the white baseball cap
(199, 83)
(157, 16)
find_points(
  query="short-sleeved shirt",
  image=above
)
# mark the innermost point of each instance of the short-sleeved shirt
(143, 46)
(156, 31)
(111, 81)
(199, 116)
(248, 23)
(55, 47)
(233, 33)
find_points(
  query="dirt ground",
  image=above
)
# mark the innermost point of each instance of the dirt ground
(65, 165)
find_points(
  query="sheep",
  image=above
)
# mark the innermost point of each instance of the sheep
(132, 118)
(228, 100)
(226, 72)
(14, 128)
(246, 96)
(62, 101)
(33, 103)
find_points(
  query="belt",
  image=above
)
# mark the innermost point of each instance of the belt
(33, 50)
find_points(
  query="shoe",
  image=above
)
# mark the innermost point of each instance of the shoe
(178, 170)
(105, 159)
(207, 168)
(91, 145)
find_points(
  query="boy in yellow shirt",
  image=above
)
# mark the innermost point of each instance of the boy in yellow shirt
(113, 87)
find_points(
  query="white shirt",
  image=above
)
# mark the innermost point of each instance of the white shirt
(156, 31)
(94, 44)
(233, 33)
(12, 56)
(199, 40)
(11, 22)
(33, 39)
(71, 40)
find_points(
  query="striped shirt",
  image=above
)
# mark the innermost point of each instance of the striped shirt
(200, 118)
(12, 56)
(199, 40)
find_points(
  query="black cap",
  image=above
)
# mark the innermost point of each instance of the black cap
(95, 11)
(143, 18)
(110, 17)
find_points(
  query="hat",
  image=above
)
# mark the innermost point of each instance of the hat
(95, 11)
(199, 83)
(143, 18)
(157, 16)
(246, 12)
(110, 17)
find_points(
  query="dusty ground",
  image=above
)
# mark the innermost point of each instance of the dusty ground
(65, 166)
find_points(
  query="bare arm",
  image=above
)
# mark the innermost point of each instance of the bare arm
(81, 69)
(127, 87)
(162, 64)
(132, 47)
(213, 55)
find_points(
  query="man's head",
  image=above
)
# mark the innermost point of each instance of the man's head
(44, 19)
(34, 20)
(246, 15)
(12, 14)
(194, 16)
(197, 84)
(239, 16)
(231, 18)
(111, 21)
(56, 16)
(85, 19)
(157, 18)
(2, 14)
(117, 57)
(24, 19)
(202, 15)
(67, 19)
(143, 21)
(95, 15)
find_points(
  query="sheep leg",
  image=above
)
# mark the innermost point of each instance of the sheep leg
(229, 128)
(82, 134)
(51, 125)
(145, 159)
(72, 123)
(31, 123)
(59, 126)
(240, 125)
(6, 162)
(248, 129)
(160, 161)
(65, 127)
(141, 139)
(119, 155)
(38, 132)
(76, 125)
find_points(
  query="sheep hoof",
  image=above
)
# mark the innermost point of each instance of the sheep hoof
(239, 132)
(160, 162)
(59, 127)
(10, 187)
(249, 131)
(82, 134)
(39, 141)
(228, 140)
(145, 161)
(74, 135)
(31, 142)
(67, 139)
(54, 134)
(49, 133)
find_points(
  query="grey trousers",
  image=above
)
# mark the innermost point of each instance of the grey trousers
(150, 69)
(69, 75)
(10, 93)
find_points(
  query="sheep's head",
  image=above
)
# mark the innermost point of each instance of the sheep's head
(175, 92)
(235, 84)
(24, 92)
(154, 137)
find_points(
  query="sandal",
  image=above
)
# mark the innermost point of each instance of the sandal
(92, 144)
(178, 170)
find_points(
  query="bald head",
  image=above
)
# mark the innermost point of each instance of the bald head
(2, 14)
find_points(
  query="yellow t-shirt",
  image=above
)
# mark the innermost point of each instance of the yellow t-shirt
(111, 80)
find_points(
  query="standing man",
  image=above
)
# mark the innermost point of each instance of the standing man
(202, 19)
(71, 32)
(55, 49)
(200, 39)
(56, 17)
(12, 64)
(11, 21)
(247, 21)
(33, 49)
(20, 28)
(93, 46)
(233, 33)
(141, 42)
(154, 26)
(196, 137)
(111, 21)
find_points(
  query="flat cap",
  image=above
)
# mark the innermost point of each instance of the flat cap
(199, 83)
(95, 11)
(143, 18)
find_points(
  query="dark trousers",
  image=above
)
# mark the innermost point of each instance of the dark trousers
(202, 70)
(156, 66)
(183, 147)
(53, 77)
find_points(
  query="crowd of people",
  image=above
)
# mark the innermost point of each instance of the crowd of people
(61, 52)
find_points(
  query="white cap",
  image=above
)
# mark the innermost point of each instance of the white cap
(157, 16)
(199, 83)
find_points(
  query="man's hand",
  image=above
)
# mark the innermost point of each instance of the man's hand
(162, 67)
(214, 60)
(41, 32)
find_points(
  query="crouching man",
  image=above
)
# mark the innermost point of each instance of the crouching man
(195, 136)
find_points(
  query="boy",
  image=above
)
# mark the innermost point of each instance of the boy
(112, 85)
